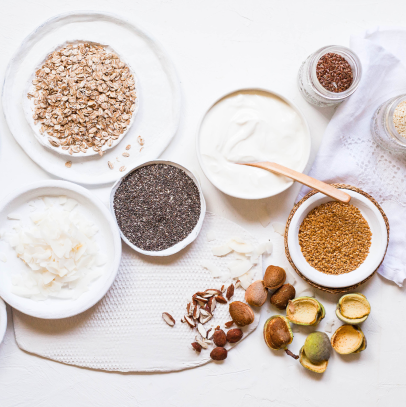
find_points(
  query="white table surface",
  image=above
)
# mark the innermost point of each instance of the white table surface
(217, 46)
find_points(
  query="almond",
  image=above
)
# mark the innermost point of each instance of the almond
(190, 321)
(219, 338)
(168, 318)
(229, 324)
(218, 353)
(230, 292)
(241, 313)
(238, 284)
(274, 277)
(212, 304)
(197, 347)
(256, 294)
(280, 298)
(234, 335)
(221, 299)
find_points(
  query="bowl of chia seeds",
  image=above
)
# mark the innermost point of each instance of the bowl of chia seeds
(159, 207)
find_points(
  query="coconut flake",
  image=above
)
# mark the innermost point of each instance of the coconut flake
(210, 236)
(240, 247)
(246, 280)
(214, 270)
(62, 200)
(329, 326)
(14, 216)
(60, 256)
(221, 250)
(279, 228)
(239, 267)
(70, 205)
(3, 257)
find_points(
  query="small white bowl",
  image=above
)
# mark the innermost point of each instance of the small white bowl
(193, 234)
(377, 250)
(264, 195)
(3, 320)
(108, 239)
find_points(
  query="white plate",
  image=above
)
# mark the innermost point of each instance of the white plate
(259, 195)
(193, 234)
(3, 320)
(157, 88)
(28, 106)
(376, 252)
(108, 239)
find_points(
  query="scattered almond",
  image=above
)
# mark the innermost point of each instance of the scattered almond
(238, 284)
(230, 292)
(168, 318)
(197, 347)
(234, 335)
(221, 299)
(229, 324)
(218, 353)
(219, 338)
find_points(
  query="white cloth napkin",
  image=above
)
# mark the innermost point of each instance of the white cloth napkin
(348, 153)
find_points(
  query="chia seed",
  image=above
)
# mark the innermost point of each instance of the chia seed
(157, 206)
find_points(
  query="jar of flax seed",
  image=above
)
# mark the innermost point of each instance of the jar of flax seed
(329, 76)
(388, 125)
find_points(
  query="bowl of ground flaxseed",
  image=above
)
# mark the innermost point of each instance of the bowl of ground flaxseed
(337, 245)
(159, 207)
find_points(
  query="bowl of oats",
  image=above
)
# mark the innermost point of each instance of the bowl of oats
(336, 245)
(82, 99)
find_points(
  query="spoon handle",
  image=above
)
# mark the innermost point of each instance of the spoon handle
(314, 183)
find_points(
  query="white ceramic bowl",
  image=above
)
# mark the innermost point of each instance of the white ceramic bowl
(3, 320)
(108, 239)
(264, 195)
(190, 238)
(377, 250)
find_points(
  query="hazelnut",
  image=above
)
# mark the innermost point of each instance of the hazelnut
(280, 298)
(234, 335)
(218, 353)
(256, 294)
(241, 313)
(274, 277)
(197, 347)
(219, 338)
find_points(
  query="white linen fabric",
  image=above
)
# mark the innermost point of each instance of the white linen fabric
(125, 331)
(349, 154)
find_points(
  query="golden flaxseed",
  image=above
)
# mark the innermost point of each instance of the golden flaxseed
(335, 238)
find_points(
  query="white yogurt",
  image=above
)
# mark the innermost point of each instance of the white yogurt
(251, 126)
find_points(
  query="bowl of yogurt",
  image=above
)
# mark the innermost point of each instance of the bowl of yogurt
(252, 125)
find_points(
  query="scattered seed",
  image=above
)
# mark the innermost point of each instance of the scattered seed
(68, 164)
(125, 155)
(140, 140)
(110, 164)
(122, 168)
(128, 147)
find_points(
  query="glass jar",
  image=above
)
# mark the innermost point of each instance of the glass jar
(383, 128)
(311, 88)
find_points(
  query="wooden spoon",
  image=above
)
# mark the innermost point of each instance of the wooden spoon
(322, 187)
